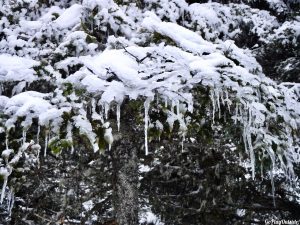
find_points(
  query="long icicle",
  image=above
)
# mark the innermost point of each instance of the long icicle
(166, 102)
(252, 156)
(38, 134)
(24, 136)
(245, 139)
(3, 188)
(212, 97)
(118, 116)
(182, 142)
(217, 94)
(106, 109)
(70, 137)
(46, 144)
(6, 140)
(11, 200)
(236, 113)
(5, 175)
(146, 106)
(39, 149)
(273, 185)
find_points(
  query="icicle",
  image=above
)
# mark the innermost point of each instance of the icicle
(93, 106)
(108, 137)
(3, 188)
(159, 127)
(250, 116)
(222, 98)
(4, 172)
(212, 97)
(69, 136)
(166, 102)
(249, 148)
(182, 130)
(24, 136)
(182, 142)
(146, 106)
(245, 139)
(118, 116)
(227, 101)
(46, 144)
(177, 107)
(252, 156)
(11, 201)
(190, 106)
(240, 110)
(38, 134)
(261, 166)
(106, 109)
(236, 113)
(217, 94)
(273, 186)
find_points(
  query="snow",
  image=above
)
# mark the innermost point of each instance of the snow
(144, 168)
(6, 153)
(183, 37)
(14, 68)
(3, 101)
(118, 116)
(108, 137)
(31, 25)
(214, 19)
(86, 129)
(69, 17)
(88, 205)
(116, 61)
(136, 72)
(240, 212)
(27, 104)
(4, 173)
(133, 67)
(172, 9)
(48, 16)
(150, 218)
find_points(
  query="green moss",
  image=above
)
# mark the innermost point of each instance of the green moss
(67, 89)
(90, 39)
(56, 145)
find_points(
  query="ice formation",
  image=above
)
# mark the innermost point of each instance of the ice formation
(167, 71)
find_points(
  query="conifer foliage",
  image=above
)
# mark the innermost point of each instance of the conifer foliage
(149, 112)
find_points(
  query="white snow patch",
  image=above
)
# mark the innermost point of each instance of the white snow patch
(70, 16)
(14, 68)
